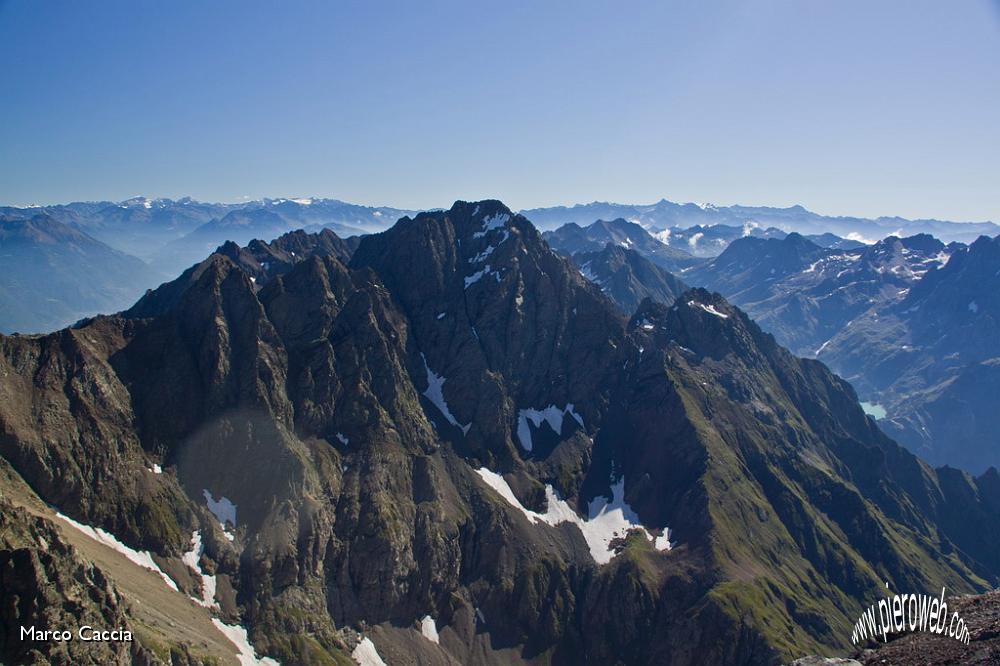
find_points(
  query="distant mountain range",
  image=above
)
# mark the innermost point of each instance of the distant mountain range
(173, 234)
(52, 274)
(805, 294)
(572, 238)
(139, 243)
(932, 359)
(667, 215)
(911, 322)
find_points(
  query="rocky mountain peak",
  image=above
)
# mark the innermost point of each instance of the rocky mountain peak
(703, 323)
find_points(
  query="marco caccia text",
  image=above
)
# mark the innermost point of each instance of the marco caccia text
(86, 633)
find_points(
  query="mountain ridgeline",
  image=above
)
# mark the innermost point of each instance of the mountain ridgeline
(442, 443)
(711, 220)
(66, 262)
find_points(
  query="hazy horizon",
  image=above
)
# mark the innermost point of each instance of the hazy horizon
(446, 206)
(848, 109)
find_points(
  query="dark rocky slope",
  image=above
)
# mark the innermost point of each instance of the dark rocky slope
(627, 278)
(347, 412)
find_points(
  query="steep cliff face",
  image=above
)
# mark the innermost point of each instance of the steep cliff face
(456, 436)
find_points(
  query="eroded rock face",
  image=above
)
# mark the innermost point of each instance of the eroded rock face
(343, 413)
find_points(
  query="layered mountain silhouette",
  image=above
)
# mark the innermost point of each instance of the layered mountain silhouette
(269, 219)
(451, 447)
(144, 227)
(53, 275)
(171, 235)
(572, 239)
(669, 216)
(71, 261)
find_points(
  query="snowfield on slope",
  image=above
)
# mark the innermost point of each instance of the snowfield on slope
(606, 520)
(143, 558)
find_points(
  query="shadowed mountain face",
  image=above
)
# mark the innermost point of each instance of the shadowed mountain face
(456, 427)
(627, 278)
(53, 275)
(263, 261)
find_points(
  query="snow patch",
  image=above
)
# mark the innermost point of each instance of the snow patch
(482, 256)
(237, 635)
(366, 654)
(475, 277)
(156, 469)
(441, 315)
(223, 510)
(495, 221)
(192, 558)
(343, 439)
(492, 223)
(606, 520)
(551, 414)
(709, 309)
(435, 393)
(429, 629)
(143, 558)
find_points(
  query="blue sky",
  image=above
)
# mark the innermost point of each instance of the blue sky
(847, 107)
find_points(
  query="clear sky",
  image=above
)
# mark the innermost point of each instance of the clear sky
(844, 106)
